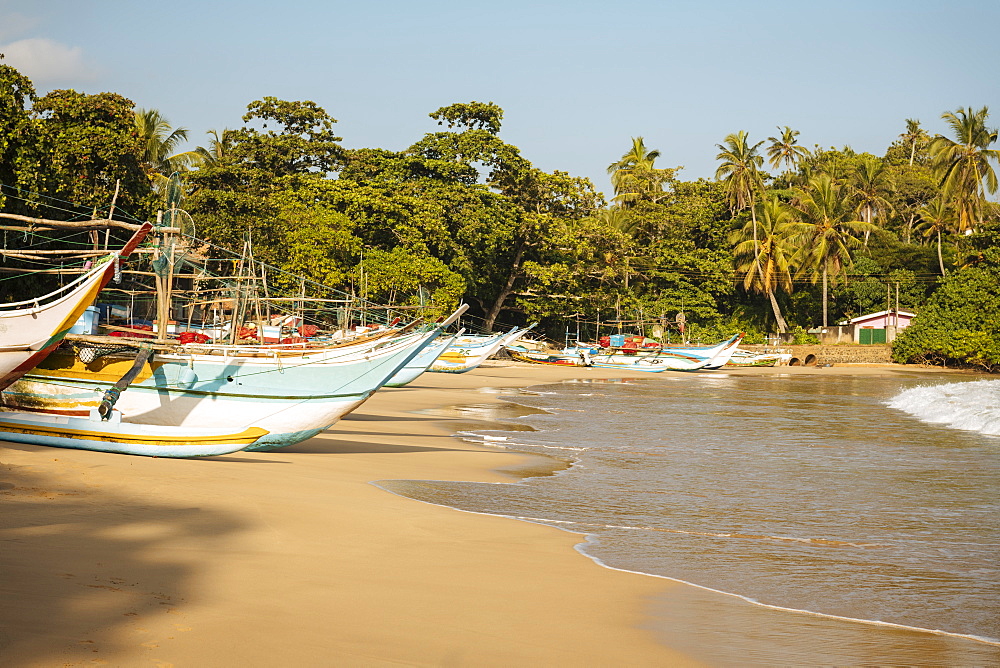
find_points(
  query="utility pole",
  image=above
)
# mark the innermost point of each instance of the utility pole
(896, 313)
(888, 302)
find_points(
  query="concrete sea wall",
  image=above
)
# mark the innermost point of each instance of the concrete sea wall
(841, 353)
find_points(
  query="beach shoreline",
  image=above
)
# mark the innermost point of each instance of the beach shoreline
(293, 557)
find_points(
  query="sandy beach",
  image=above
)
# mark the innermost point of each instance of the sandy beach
(294, 558)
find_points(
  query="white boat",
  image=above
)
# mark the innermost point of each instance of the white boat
(291, 394)
(663, 358)
(33, 328)
(419, 364)
(722, 357)
(468, 352)
(742, 357)
(113, 435)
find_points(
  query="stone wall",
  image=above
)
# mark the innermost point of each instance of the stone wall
(843, 353)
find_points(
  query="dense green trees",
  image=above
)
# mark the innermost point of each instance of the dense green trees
(937, 219)
(961, 321)
(63, 156)
(462, 215)
(77, 148)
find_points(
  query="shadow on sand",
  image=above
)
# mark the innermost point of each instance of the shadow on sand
(83, 566)
(363, 417)
(337, 446)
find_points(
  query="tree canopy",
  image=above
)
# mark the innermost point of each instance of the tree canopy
(463, 215)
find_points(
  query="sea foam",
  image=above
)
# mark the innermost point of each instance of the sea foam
(973, 406)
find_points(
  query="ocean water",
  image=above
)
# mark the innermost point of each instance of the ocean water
(822, 519)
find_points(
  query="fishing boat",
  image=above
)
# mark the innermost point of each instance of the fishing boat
(468, 352)
(652, 361)
(523, 354)
(33, 328)
(419, 364)
(662, 358)
(722, 357)
(113, 435)
(290, 393)
(742, 357)
(217, 371)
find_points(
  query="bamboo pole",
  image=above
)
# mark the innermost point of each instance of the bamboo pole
(100, 223)
(158, 344)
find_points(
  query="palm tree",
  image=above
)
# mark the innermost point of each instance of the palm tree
(218, 148)
(867, 183)
(937, 218)
(786, 150)
(740, 172)
(618, 218)
(828, 243)
(913, 136)
(159, 142)
(634, 177)
(766, 264)
(963, 164)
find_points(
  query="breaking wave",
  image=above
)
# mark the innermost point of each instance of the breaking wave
(972, 406)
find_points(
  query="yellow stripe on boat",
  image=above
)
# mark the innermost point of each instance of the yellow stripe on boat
(247, 436)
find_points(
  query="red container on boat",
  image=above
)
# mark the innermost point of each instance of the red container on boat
(604, 341)
(308, 330)
(192, 337)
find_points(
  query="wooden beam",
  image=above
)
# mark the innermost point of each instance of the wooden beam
(103, 223)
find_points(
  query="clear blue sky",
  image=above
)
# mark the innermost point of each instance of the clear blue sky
(576, 79)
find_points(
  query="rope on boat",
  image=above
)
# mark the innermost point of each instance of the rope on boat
(113, 393)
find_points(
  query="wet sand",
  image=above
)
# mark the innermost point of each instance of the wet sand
(294, 557)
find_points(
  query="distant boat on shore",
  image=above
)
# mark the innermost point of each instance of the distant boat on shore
(468, 352)
(750, 358)
(629, 355)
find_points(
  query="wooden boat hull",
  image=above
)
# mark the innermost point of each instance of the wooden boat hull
(90, 433)
(749, 358)
(533, 357)
(292, 399)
